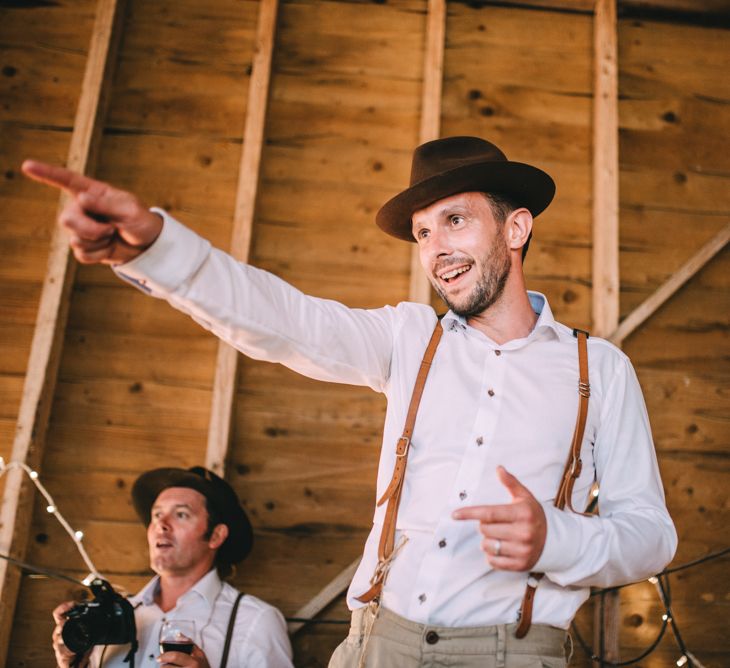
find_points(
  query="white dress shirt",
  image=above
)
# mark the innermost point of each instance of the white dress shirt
(484, 404)
(259, 638)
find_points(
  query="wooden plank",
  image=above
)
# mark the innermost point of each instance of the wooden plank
(328, 593)
(678, 279)
(219, 431)
(15, 514)
(606, 626)
(605, 274)
(605, 171)
(433, 75)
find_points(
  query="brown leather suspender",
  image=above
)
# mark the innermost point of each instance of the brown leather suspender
(572, 470)
(393, 492)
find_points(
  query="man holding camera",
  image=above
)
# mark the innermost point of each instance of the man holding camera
(196, 531)
(451, 568)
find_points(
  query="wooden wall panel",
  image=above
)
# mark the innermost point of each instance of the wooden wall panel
(43, 58)
(675, 195)
(522, 78)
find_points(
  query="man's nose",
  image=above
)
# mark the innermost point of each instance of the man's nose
(440, 243)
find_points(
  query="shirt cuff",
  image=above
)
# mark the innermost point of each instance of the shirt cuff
(174, 257)
(562, 540)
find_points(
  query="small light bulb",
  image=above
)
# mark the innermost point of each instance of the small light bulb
(34, 475)
(79, 535)
(595, 493)
(653, 580)
(681, 660)
(51, 509)
(88, 579)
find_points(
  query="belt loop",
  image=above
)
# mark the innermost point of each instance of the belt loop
(501, 645)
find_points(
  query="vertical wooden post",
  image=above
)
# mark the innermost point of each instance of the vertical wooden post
(605, 297)
(16, 512)
(433, 74)
(224, 385)
(605, 171)
(606, 626)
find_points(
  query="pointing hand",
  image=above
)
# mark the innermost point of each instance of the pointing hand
(104, 224)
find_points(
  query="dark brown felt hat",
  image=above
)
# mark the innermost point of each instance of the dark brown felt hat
(452, 165)
(220, 495)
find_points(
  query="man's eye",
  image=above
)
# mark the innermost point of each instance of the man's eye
(456, 220)
(182, 515)
(422, 234)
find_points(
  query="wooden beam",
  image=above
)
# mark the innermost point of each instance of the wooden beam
(642, 312)
(605, 170)
(224, 385)
(16, 512)
(605, 294)
(433, 74)
(321, 600)
(606, 627)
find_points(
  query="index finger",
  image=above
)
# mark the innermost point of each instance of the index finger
(58, 177)
(493, 514)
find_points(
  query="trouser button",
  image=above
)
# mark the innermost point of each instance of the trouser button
(432, 637)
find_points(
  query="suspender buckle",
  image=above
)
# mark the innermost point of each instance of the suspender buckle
(406, 446)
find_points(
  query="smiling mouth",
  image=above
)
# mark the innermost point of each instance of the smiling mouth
(453, 274)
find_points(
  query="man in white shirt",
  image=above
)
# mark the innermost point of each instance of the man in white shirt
(196, 531)
(474, 514)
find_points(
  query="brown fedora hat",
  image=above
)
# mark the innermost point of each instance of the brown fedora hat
(220, 495)
(452, 165)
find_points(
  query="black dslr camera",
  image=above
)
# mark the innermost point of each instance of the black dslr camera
(107, 620)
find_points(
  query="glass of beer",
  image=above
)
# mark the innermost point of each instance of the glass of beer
(177, 635)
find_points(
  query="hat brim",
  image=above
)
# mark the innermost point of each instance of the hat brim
(522, 184)
(148, 486)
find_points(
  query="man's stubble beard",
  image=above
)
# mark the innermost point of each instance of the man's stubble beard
(490, 285)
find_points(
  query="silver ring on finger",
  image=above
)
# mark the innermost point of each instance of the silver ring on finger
(497, 547)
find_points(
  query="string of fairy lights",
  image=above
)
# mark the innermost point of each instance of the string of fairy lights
(52, 508)
(660, 582)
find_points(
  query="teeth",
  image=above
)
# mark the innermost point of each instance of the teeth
(453, 273)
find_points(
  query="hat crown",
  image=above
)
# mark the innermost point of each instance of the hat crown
(442, 155)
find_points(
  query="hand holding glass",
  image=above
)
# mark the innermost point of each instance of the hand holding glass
(177, 635)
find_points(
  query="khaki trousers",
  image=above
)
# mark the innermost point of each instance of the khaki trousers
(396, 642)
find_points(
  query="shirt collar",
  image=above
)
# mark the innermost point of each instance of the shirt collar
(207, 589)
(545, 319)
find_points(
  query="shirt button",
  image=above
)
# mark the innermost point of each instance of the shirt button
(480, 440)
(442, 543)
(462, 495)
(422, 598)
(432, 637)
(490, 392)
(497, 352)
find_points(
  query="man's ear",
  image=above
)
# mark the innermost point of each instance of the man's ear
(519, 227)
(218, 536)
